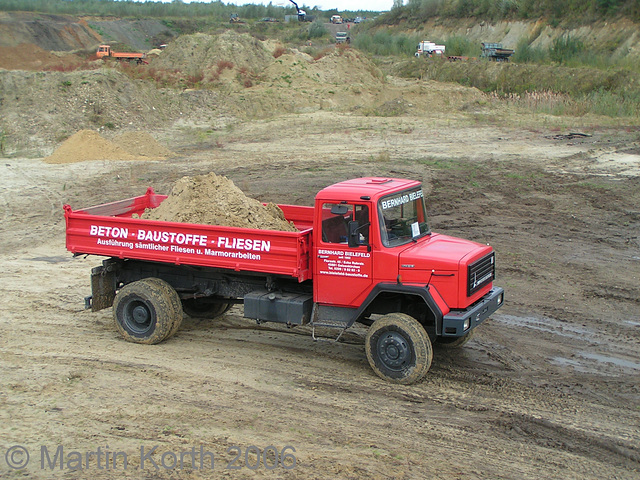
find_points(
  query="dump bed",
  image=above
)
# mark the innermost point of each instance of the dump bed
(113, 230)
(127, 55)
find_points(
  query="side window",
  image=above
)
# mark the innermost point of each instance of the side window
(336, 218)
(335, 221)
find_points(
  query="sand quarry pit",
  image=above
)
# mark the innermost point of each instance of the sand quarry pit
(28, 56)
(88, 145)
(547, 388)
(215, 200)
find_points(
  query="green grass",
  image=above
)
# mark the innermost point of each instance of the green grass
(385, 43)
(552, 89)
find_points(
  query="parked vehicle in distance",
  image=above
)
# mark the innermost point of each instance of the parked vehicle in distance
(428, 49)
(343, 37)
(105, 51)
(496, 52)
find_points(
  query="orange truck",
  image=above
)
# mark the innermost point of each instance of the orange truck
(105, 51)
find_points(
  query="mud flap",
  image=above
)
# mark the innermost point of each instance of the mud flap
(103, 289)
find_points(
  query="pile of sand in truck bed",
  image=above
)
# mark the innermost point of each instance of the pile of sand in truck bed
(88, 145)
(215, 200)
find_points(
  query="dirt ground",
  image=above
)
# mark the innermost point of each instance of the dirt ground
(548, 388)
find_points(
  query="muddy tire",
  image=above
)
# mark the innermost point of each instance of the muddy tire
(177, 304)
(398, 349)
(200, 308)
(454, 342)
(145, 312)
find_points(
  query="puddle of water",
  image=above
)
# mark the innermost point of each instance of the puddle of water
(59, 259)
(631, 322)
(609, 359)
(549, 325)
(584, 367)
(565, 362)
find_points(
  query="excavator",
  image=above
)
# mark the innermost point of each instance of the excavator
(302, 15)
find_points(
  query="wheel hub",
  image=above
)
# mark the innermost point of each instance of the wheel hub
(393, 350)
(140, 315)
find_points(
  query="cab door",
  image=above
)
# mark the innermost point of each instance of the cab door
(343, 274)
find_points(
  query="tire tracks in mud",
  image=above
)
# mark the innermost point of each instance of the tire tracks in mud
(549, 434)
(448, 381)
(450, 392)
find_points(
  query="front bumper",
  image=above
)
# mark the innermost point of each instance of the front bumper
(457, 323)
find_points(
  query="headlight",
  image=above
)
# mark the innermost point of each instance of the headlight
(500, 299)
(466, 324)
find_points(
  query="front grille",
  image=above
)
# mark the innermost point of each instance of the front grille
(480, 273)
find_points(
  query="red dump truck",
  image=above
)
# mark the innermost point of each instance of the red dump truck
(105, 51)
(364, 253)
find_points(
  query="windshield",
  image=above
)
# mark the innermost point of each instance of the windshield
(403, 217)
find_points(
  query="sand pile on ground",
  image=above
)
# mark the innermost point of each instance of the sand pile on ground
(215, 200)
(201, 52)
(87, 145)
(143, 144)
(340, 67)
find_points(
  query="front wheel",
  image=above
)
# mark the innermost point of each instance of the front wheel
(398, 349)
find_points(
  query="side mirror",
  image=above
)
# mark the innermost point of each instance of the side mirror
(353, 239)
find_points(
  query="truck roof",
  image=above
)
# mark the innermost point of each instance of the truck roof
(374, 187)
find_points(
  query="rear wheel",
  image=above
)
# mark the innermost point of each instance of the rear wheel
(204, 307)
(145, 311)
(173, 296)
(398, 349)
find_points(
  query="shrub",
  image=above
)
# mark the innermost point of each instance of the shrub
(461, 46)
(317, 30)
(525, 53)
(387, 43)
(222, 64)
(564, 49)
(322, 53)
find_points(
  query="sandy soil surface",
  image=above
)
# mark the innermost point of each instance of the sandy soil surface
(547, 389)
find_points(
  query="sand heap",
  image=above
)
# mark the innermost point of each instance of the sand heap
(142, 144)
(203, 52)
(340, 67)
(87, 145)
(215, 200)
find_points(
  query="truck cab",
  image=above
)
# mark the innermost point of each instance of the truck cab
(103, 51)
(375, 254)
(428, 49)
